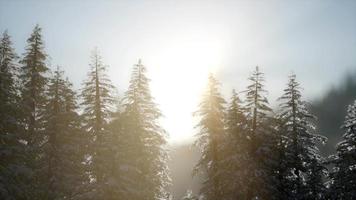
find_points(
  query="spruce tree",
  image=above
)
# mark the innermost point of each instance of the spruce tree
(34, 81)
(12, 168)
(303, 170)
(262, 139)
(235, 156)
(343, 174)
(63, 161)
(257, 105)
(97, 102)
(210, 137)
(33, 75)
(143, 141)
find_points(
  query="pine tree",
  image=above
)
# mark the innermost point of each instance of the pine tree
(209, 138)
(65, 174)
(33, 86)
(34, 81)
(291, 176)
(343, 174)
(98, 99)
(12, 169)
(235, 156)
(302, 161)
(257, 105)
(262, 139)
(143, 141)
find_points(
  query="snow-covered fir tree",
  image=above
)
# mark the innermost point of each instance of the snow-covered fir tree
(97, 95)
(33, 75)
(209, 138)
(12, 168)
(262, 140)
(64, 172)
(143, 141)
(343, 175)
(290, 169)
(302, 163)
(234, 151)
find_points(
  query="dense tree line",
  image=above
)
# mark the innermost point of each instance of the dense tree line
(58, 143)
(250, 151)
(55, 144)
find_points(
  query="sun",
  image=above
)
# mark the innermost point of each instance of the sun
(179, 72)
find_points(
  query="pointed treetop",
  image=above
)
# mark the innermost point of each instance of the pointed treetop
(292, 76)
(36, 30)
(235, 96)
(5, 34)
(257, 71)
(6, 46)
(234, 93)
(212, 79)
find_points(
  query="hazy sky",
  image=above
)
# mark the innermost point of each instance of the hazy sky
(180, 41)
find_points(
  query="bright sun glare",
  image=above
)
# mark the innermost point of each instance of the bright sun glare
(179, 70)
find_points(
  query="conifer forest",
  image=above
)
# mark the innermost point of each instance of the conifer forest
(70, 133)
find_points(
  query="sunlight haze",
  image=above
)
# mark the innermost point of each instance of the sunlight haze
(180, 42)
(177, 99)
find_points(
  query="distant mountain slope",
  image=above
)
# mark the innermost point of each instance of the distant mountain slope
(330, 110)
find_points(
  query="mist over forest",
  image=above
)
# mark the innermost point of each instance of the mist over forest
(331, 108)
(177, 100)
